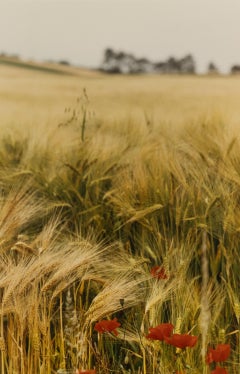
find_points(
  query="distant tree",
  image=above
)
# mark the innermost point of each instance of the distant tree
(123, 63)
(129, 64)
(108, 54)
(212, 68)
(119, 62)
(235, 69)
(144, 65)
(64, 62)
(160, 67)
(187, 65)
(173, 65)
(110, 61)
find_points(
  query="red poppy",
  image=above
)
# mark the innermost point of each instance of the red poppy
(160, 332)
(221, 353)
(219, 370)
(181, 340)
(159, 272)
(91, 371)
(107, 326)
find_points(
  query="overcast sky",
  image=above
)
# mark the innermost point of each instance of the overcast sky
(79, 30)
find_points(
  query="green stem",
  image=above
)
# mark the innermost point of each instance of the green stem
(144, 362)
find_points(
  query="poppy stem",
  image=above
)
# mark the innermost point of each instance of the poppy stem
(144, 362)
(205, 316)
(100, 344)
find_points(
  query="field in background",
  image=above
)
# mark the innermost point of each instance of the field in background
(40, 97)
(102, 179)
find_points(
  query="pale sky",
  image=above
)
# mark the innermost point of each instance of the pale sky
(79, 30)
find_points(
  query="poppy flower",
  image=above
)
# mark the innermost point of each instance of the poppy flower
(91, 371)
(159, 272)
(181, 340)
(221, 353)
(219, 370)
(160, 332)
(107, 326)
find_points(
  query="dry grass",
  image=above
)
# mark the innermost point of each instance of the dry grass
(29, 97)
(153, 179)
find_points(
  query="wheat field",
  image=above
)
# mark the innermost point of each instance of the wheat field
(119, 213)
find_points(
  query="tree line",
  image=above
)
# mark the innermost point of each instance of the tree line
(119, 62)
(126, 63)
